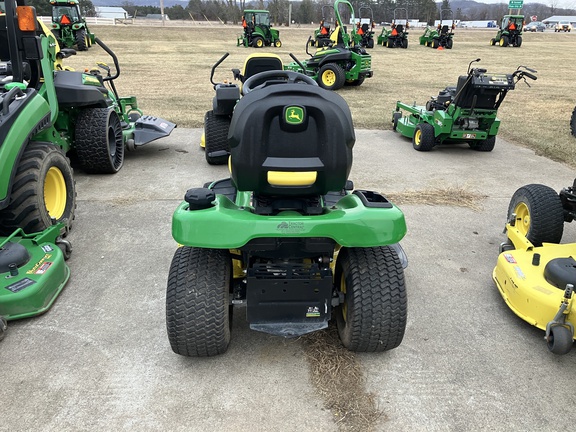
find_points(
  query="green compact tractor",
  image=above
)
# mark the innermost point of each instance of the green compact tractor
(363, 35)
(441, 36)
(285, 238)
(462, 114)
(48, 114)
(397, 35)
(339, 63)
(510, 31)
(33, 272)
(258, 31)
(69, 26)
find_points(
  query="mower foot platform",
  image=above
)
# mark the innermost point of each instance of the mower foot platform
(289, 329)
(150, 128)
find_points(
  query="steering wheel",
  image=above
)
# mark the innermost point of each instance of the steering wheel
(263, 79)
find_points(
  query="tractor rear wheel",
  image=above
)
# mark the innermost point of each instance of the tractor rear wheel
(373, 315)
(539, 213)
(99, 143)
(216, 137)
(197, 302)
(449, 44)
(257, 42)
(486, 145)
(423, 139)
(518, 43)
(331, 76)
(405, 43)
(43, 190)
(504, 41)
(573, 122)
(81, 40)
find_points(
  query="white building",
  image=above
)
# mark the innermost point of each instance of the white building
(111, 12)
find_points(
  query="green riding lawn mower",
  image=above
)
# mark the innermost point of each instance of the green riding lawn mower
(441, 36)
(69, 26)
(509, 32)
(363, 35)
(339, 63)
(535, 274)
(327, 23)
(258, 31)
(462, 114)
(397, 35)
(285, 238)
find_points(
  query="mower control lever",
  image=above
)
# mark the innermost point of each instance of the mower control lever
(215, 66)
(111, 53)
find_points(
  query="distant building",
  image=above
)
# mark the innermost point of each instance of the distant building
(111, 12)
(557, 18)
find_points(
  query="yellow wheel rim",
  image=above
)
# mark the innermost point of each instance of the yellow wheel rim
(329, 78)
(55, 193)
(259, 43)
(417, 137)
(522, 218)
(501, 41)
(343, 290)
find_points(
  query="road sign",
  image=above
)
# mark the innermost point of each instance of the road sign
(516, 4)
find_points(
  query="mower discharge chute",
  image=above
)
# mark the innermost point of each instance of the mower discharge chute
(258, 31)
(442, 35)
(338, 63)
(462, 114)
(535, 274)
(397, 35)
(509, 32)
(285, 237)
(69, 26)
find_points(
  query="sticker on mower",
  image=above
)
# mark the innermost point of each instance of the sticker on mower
(509, 258)
(47, 248)
(20, 285)
(313, 312)
(519, 272)
(39, 264)
(291, 227)
(43, 268)
(469, 136)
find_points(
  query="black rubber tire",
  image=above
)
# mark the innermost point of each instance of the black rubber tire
(560, 340)
(339, 80)
(216, 137)
(426, 140)
(28, 209)
(390, 43)
(99, 143)
(486, 145)
(370, 43)
(405, 43)
(573, 122)
(197, 302)
(355, 83)
(258, 42)
(518, 43)
(397, 115)
(504, 41)
(492, 42)
(449, 43)
(546, 215)
(435, 43)
(373, 317)
(81, 41)
(3, 327)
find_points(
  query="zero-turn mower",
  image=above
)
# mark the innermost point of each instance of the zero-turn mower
(441, 36)
(535, 274)
(397, 35)
(286, 239)
(462, 114)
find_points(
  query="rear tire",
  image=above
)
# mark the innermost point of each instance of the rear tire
(405, 43)
(331, 76)
(373, 315)
(99, 142)
(216, 137)
(423, 139)
(257, 42)
(486, 145)
(573, 123)
(518, 42)
(449, 44)
(197, 302)
(539, 213)
(43, 189)
(81, 40)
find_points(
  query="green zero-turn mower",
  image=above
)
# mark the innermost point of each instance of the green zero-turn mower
(69, 26)
(363, 35)
(339, 63)
(258, 31)
(462, 114)
(33, 272)
(509, 32)
(441, 36)
(535, 274)
(327, 23)
(285, 237)
(47, 114)
(397, 35)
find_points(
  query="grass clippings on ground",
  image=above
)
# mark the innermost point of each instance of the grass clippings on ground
(338, 378)
(455, 196)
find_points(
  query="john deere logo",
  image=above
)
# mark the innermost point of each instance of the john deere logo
(294, 115)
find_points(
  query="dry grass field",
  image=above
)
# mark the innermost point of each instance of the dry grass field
(168, 69)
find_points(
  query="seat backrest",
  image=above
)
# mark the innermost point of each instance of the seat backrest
(256, 63)
(400, 28)
(444, 29)
(291, 140)
(365, 28)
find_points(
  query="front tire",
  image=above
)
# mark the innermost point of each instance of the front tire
(99, 142)
(331, 76)
(43, 190)
(423, 139)
(197, 302)
(216, 137)
(373, 315)
(504, 41)
(560, 340)
(539, 213)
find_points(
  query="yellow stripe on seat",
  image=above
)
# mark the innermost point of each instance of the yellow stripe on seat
(284, 178)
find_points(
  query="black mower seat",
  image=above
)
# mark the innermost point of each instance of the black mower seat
(256, 63)
(560, 272)
(291, 140)
(444, 30)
